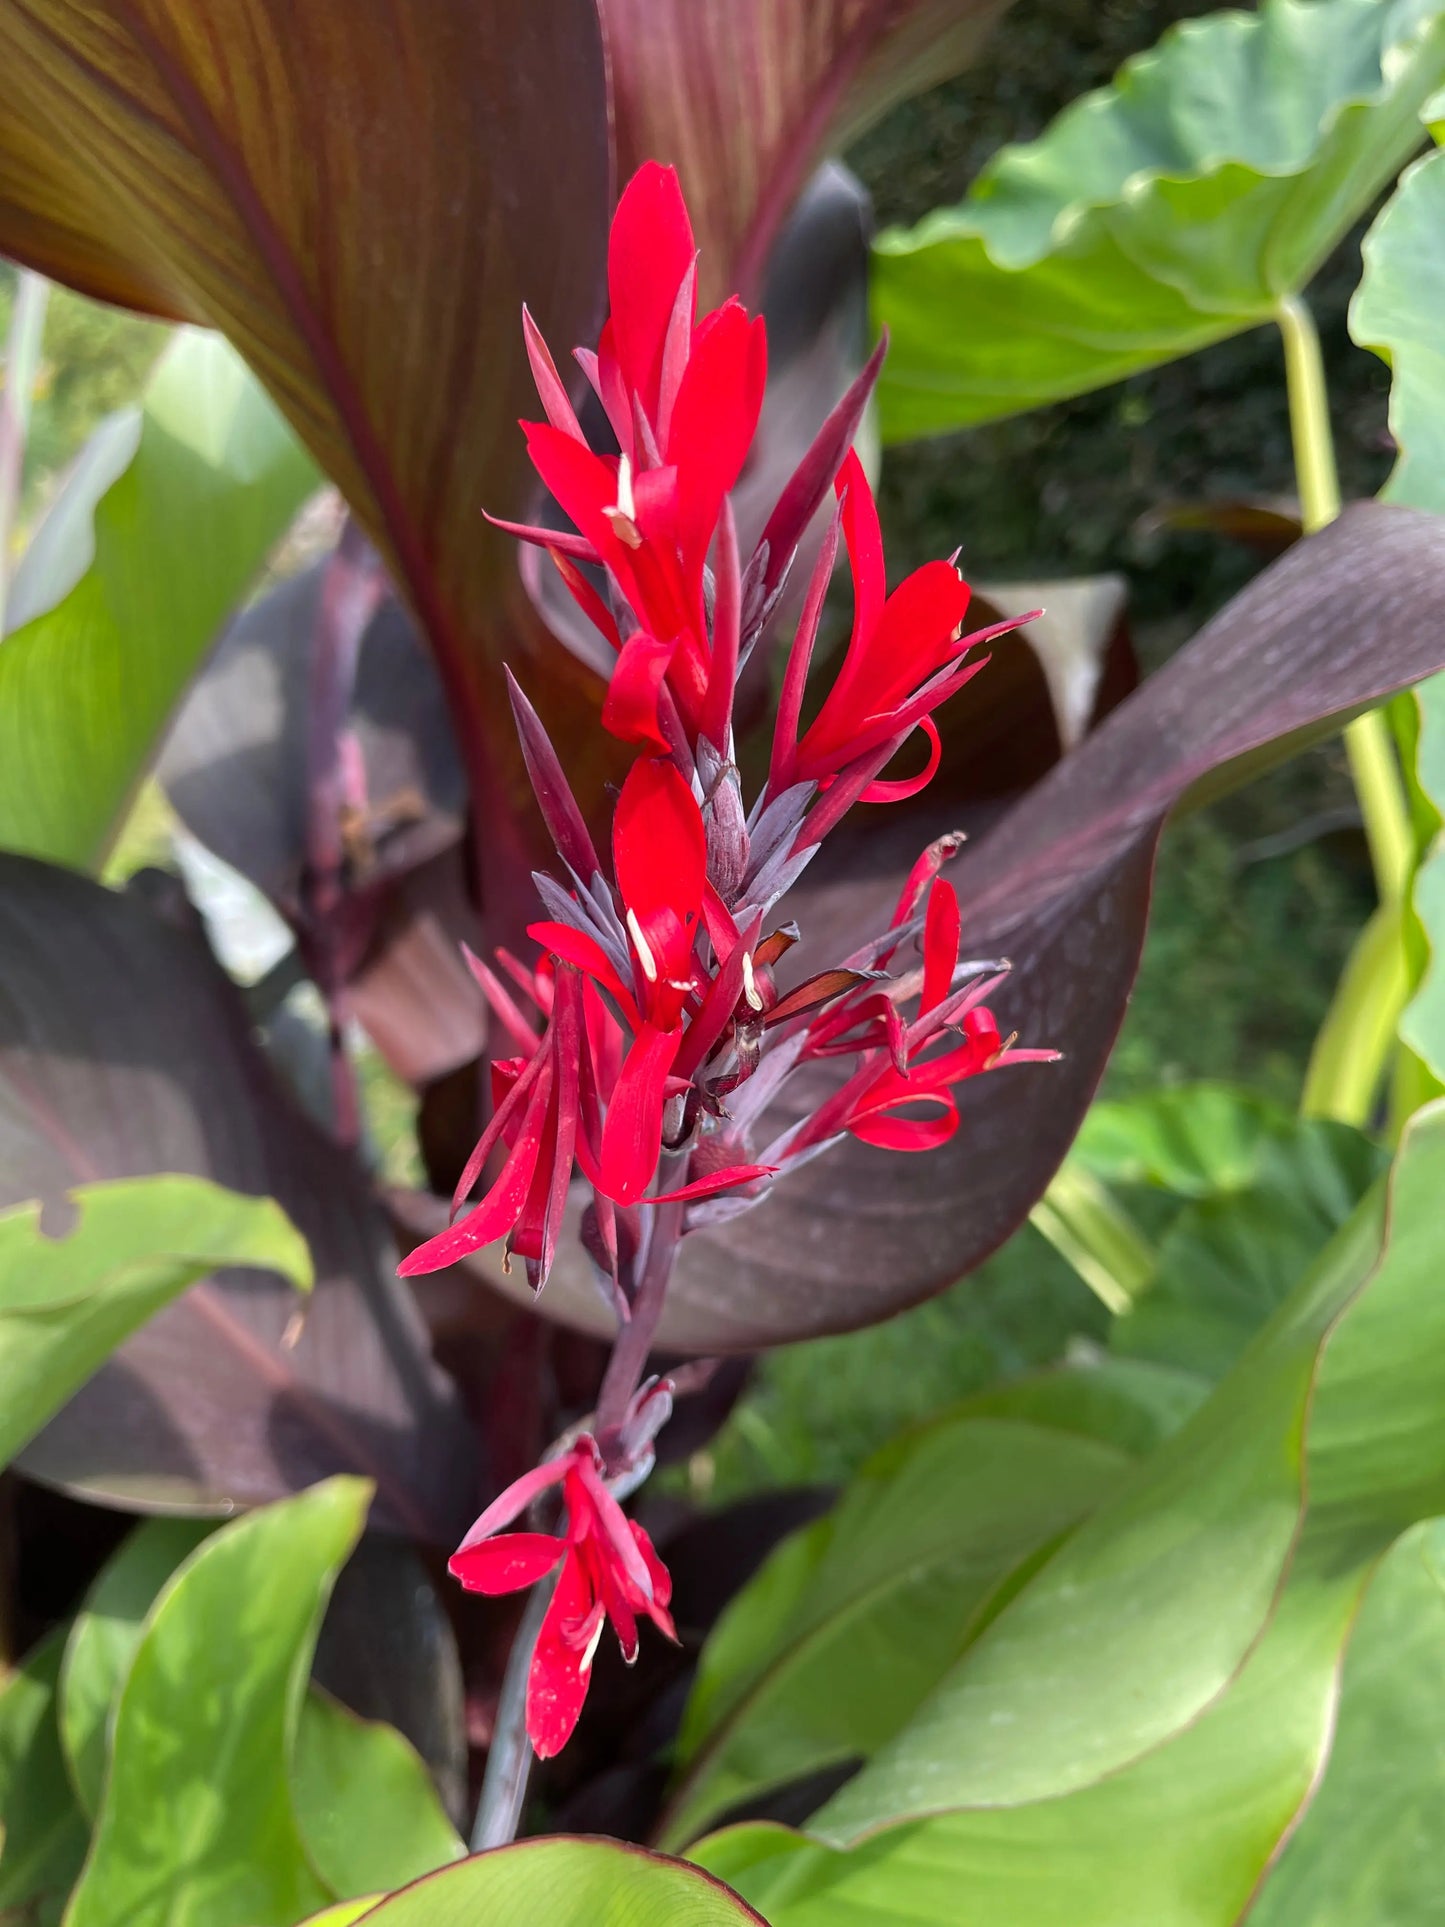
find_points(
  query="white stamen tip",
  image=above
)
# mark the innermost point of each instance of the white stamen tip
(643, 948)
(585, 1665)
(750, 982)
(623, 513)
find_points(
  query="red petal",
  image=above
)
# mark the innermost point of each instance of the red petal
(556, 402)
(576, 947)
(660, 1576)
(498, 1211)
(650, 250)
(507, 1564)
(586, 597)
(800, 656)
(941, 931)
(630, 709)
(512, 1503)
(716, 1181)
(864, 538)
(584, 484)
(632, 1134)
(899, 790)
(659, 845)
(558, 1681)
(908, 1133)
(714, 421)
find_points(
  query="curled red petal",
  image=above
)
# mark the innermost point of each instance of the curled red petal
(715, 1181)
(890, 1133)
(901, 788)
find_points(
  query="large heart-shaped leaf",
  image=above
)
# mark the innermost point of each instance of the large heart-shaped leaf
(124, 1052)
(745, 97)
(1175, 208)
(362, 212)
(165, 520)
(197, 1821)
(1061, 885)
(1183, 1835)
(567, 1883)
(67, 1302)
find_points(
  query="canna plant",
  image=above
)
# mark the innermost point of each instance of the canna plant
(665, 944)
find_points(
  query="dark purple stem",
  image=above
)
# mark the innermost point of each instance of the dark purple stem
(628, 1362)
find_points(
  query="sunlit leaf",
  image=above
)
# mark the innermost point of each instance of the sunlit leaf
(68, 1299)
(1366, 1848)
(43, 1832)
(835, 1643)
(197, 1822)
(566, 1883)
(160, 529)
(103, 1638)
(1183, 1836)
(1174, 208)
(368, 1813)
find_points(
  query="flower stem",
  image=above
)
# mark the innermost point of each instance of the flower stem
(509, 1757)
(1368, 744)
(634, 1341)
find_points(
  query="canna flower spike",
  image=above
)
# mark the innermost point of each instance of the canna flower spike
(651, 1035)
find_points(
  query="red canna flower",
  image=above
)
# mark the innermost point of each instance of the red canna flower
(683, 399)
(906, 656)
(606, 1570)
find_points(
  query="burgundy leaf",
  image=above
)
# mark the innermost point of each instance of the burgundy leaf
(1061, 885)
(745, 97)
(124, 1051)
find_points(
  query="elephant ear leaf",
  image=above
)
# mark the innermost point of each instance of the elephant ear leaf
(1182, 204)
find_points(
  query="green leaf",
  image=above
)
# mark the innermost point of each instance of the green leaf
(565, 1883)
(197, 1823)
(1149, 1610)
(1397, 311)
(1172, 209)
(849, 1626)
(103, 1639)
(163, 526)
(344, 1912)
(1368, 1847)
(369, 1814)
(1228, 1262)
(1195, 1140)
(1183, 1835)
(1179, 1839)
(67, 1301)
(365, 1804)
(43, 1832)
